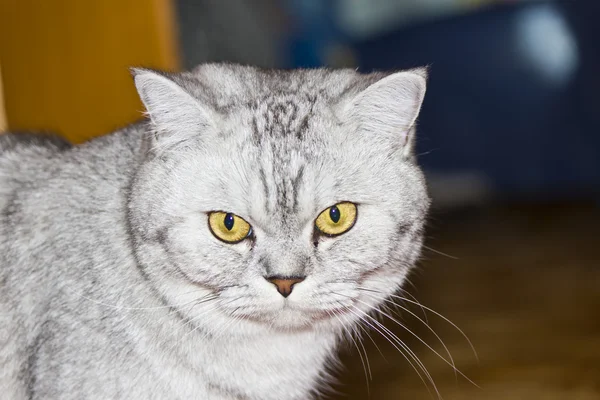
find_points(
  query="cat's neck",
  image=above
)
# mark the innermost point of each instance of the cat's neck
(287, 364)
(271, 365)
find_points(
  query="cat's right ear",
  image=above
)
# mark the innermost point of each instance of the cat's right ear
(177, 116)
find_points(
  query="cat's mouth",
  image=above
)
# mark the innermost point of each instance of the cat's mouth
(332, 305)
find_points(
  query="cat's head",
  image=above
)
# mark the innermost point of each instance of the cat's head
(274, 199)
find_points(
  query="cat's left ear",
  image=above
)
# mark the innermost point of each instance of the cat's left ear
(177, 116)
(389, 107)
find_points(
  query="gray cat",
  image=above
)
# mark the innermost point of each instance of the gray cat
(220, 250)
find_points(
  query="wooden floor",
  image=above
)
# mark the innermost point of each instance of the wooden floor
(525, 288)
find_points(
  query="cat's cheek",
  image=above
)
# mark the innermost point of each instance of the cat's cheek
(202, 256)
(379, 285)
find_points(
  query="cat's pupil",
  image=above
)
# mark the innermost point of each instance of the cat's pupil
(228, 222)
(334, 214)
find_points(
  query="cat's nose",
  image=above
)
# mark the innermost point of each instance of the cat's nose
(285, 284)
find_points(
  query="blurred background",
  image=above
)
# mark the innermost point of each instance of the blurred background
(509, 137)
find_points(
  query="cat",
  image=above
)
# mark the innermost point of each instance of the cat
(221, 248)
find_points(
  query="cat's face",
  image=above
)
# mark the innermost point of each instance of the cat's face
(292, 181)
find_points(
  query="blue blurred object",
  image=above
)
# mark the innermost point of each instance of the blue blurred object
(312, 34)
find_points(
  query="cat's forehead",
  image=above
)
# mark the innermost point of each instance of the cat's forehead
(283, 116)
(281, 129)
(275, 105)
(285, 150)
(280, 125)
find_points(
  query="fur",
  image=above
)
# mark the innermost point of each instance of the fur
(111, 283)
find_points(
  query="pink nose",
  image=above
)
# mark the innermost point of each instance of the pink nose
(285, 285)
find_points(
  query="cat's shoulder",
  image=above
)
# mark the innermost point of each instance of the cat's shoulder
(33, 151)
(43, 165)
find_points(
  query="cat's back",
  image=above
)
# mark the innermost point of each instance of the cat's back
(41, 165)
(30, 148)
(24, 158)
(24, 142)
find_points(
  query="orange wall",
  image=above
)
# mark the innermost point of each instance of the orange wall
(65, 62)
(2, 114)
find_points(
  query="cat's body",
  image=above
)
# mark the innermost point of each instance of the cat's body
(112, 286)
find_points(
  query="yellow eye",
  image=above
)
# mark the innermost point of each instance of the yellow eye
(228, 227)
(337, 219)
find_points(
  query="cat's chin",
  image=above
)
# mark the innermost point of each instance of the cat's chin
(290, 320)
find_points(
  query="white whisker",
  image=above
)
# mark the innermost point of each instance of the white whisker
(440, 253)
(395, 342)
(452, 363)
(366, 331)
(349, 334)
(433, 312)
